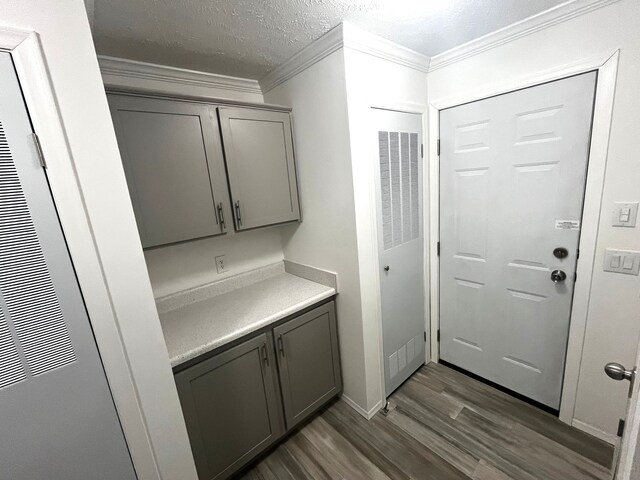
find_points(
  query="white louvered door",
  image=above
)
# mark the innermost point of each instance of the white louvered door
(512, 177)
(400, 243)
(57, 416)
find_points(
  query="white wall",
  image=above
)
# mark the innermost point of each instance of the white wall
(373, 81)
(190, 264)
(335, 149)
(613, 324)
(97, 218)
(326, 237)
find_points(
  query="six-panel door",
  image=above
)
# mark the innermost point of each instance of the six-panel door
(512, 176)
(173, 162)
(231, 408)
(258, 150)
(308, 361)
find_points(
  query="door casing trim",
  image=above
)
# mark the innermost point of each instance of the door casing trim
(607, 68)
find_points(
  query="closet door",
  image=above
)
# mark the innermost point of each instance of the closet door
(259, 155)
(173, 162)
(57, 416)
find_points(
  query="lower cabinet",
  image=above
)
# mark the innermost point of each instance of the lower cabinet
(237, 403)
(231, 406)
(308, 362)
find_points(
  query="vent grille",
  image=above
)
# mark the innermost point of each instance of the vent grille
(399, 184)
(26, 286)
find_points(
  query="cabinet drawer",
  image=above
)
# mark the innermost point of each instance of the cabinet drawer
(231, 407)
(308, 362)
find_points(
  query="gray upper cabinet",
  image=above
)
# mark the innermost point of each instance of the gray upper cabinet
(231, 407)
(308, 362)
(258, 150)
(172, 157)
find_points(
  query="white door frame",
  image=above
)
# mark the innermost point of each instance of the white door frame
(607, 68)
(629, 460)
(29, 59)
(422, 110)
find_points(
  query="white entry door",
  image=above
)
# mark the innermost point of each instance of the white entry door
(512, 177)
(400, 240)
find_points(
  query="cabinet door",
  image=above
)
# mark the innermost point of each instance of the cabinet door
(309, 363)
(231, 407)
(259, 153)
(172, 157)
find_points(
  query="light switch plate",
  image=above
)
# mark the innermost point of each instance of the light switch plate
(221, 264)
(622, 261)
(625, 214)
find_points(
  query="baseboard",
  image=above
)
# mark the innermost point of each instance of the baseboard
(366, 414)
(595, 432)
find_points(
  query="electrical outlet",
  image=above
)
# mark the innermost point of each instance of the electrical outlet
(221, 264)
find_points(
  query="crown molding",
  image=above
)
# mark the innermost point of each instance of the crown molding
(311, 54)
(554, 16)
(118, 72)
(348, 36)
(357, 39)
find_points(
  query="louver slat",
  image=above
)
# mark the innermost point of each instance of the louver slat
(26, 286)
(399, 187)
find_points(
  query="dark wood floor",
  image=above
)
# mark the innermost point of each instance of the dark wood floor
(443, 425)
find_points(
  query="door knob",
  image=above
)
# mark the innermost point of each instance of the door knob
(558, 276)
(618, 372)
(386, 268)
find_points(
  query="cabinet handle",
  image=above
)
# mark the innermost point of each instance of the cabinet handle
(280, 345)
(238, 216)
(265, 354)
(223, 225)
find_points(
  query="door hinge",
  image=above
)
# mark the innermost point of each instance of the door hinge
(438, 147)
(422, 150)
(577, 253)
(38, 147)
(425, 336)
(575, 277)
(438, 248)
(438, 336)
(620, 427)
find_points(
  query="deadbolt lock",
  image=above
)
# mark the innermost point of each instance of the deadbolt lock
(560, 252)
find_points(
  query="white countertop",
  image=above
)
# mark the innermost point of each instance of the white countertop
(204, 325)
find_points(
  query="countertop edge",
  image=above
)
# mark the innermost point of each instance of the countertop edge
(248, 330)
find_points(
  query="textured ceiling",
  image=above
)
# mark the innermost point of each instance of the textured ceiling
(249, 38)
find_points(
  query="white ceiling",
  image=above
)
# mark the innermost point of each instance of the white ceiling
(248, 38)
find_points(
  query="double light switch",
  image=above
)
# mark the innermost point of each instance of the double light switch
(622, 261)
